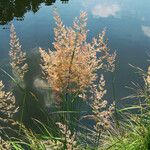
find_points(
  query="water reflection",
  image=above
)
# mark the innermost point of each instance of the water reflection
(146, 30)
(9, 9)
(105, 10)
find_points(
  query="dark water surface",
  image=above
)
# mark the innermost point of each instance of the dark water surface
(127, 23)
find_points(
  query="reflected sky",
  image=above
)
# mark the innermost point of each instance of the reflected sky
(105, 10)
(127, 23)
(146, 30)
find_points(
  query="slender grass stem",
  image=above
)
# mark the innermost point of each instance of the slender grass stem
(22, 111)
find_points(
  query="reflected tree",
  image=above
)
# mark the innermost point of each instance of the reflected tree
(10, 9)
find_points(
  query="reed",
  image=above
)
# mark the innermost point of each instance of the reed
(70, 77)
(72, 65)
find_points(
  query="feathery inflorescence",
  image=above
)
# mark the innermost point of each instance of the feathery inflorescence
(70, 139)
(72, 66)
(17, 57)
(101, 115)
(4, 145)
(101, 112)
(7, 104)
(52, 144)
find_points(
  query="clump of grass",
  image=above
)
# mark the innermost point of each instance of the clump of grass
(133, 132)
(72, 65)
(69, 73)
(69, 76)
(71, 68)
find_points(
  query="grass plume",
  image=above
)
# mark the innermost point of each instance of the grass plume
(17, 57)
(73, 63)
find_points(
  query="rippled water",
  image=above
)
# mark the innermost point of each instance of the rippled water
(127, 23)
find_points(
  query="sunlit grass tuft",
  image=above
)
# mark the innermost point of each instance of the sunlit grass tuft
(62, 106)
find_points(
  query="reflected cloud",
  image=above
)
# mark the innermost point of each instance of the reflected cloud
(106, 10)
(146, 30)
(87, 3)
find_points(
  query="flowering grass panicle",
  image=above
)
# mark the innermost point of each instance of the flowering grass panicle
(99, 106)
(17, 57)
(104, 59)
(72, 66)
(7, 104)
(4, 145)
(101, 113)
(70, 139)
(54, 145)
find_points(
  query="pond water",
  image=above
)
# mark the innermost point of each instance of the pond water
(127, 23)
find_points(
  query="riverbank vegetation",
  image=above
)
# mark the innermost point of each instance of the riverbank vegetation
(57, 98)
